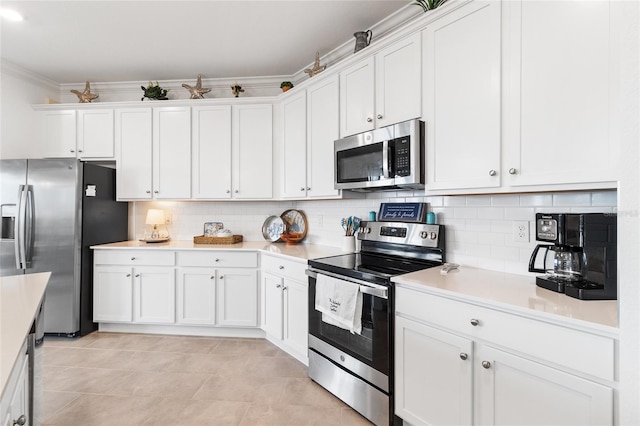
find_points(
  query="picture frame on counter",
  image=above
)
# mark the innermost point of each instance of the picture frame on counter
(212, 228)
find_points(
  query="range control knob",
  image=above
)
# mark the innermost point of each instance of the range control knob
(366, 230)
(433, 235)
(424, 234)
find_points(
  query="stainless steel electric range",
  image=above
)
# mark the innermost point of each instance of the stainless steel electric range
(358, 367)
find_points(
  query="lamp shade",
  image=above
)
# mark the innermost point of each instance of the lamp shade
(155, 217)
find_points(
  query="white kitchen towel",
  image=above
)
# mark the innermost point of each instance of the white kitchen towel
(340, 303)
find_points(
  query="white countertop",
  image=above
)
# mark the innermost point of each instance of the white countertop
(516, 293)
(20, 296)
(297, 251)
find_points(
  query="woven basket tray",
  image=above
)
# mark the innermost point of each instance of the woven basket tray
(201, 239)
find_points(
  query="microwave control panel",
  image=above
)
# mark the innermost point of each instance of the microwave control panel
(401, 156)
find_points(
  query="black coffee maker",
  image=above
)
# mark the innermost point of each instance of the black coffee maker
(585, 261)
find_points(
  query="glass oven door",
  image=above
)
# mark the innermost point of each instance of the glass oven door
(372, 346)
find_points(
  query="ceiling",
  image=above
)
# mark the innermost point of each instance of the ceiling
(117, 41)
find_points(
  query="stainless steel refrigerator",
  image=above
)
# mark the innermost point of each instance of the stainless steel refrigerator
(52, 211)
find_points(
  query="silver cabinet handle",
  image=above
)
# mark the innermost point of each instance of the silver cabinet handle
(128, 275)
(278, 286)
(148, 192)
(217, 260)
(156, 191)
(284, 287)
(222, 277)
(72, 150)
(20, 421)
(79, 150)
(308, 188)
(236, 191)
(302, 188)
(133, 258)
(137, 275)
(369, 119)
(379, 116)
(281, 267)
(463, 356)
(512, 171)
(213, 277)
(492, 172)
(474, 322)
(486, 364)
(228, 191)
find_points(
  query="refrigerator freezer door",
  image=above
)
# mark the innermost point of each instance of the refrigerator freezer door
(57, 243)
(13, 174)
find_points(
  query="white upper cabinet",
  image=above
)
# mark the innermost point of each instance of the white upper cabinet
(561, 93)
(133, 153)
(211, 143)
(294, 155)
(58, 133)
(85, 133)
(323, 118)
(95, 133)
(172, 153)
(252, 151)
(462, 98)
(383, 89)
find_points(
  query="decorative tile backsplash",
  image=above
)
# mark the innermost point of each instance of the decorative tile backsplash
(479, 227)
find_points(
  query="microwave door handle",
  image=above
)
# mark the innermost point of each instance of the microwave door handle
(385, 159)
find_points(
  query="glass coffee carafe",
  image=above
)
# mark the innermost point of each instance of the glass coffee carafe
(566, 264)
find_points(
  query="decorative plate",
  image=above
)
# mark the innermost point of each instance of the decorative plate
(295, 221)
(272, 228)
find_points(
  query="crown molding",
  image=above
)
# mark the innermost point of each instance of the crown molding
(27, 75)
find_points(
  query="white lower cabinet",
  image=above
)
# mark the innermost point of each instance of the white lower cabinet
(15, 396)
(457, 363)
(176, 288)
(284, 305)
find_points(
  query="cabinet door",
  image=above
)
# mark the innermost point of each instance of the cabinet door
(296, 315)
(211, 161)
(95, 133)
(511, 390)
(19, 402)
(462, 60)
(154, 295)
(196, 296)
(398, 82)
(433, 375)
(59, 133)
(112, 294)
(294, 155)
(252, 151)
(356, 98)
(323, 127)
(272, 305)
(238, 297)
(172, 153)
(563, 96)
(133, 153)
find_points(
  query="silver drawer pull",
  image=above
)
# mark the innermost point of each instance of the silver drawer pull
(474, 322)
(463, 356)
(486, 364)
(281, 267)
(20, 421)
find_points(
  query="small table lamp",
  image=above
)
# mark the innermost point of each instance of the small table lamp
(156, 217)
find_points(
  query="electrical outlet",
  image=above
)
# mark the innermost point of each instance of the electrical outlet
(167, 218)
(520, 231)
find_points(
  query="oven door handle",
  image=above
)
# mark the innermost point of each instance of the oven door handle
(365, 287)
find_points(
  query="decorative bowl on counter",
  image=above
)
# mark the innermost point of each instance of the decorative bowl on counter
(292, 238)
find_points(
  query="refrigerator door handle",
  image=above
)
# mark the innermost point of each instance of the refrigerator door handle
(30, 234)
(19, 231)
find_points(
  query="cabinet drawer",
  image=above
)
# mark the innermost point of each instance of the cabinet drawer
(134, 257)
(582, 351)
(218, 259)
(283, 267)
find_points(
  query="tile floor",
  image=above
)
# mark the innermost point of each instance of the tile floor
(111, 379)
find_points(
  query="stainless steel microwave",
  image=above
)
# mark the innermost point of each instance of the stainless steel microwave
(387, 158)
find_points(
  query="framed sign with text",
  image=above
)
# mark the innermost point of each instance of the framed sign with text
(402, 212)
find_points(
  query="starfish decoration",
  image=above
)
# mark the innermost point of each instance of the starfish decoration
(86, 96)
(198, 91)
(317, 68)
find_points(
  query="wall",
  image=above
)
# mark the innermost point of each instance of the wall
(19, 90)
(479, 227)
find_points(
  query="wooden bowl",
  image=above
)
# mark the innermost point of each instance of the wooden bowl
(292, 238)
